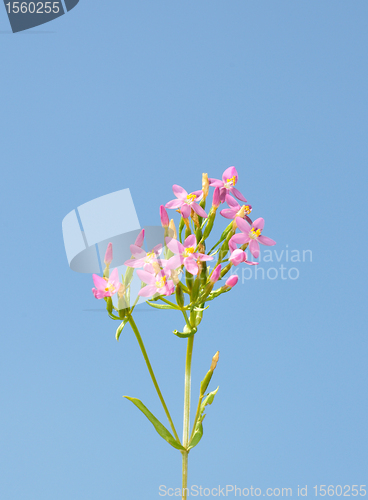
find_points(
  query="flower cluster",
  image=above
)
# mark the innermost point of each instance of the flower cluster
(181, 265)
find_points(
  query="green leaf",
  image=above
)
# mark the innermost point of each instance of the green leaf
(161, 306)
(186, 334)
(198, 432)
(161, 429)
(120, 327)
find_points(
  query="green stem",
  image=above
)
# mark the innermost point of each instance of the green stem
(145, 355)
(188, 367)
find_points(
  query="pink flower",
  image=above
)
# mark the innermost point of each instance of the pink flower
(106, 287)
(164, 217)
(185, 254)
(215, 274)
(155, 284)
(238, 256)
(232, 281)
(252, 234)
(229, 179)
(186, 202)
(144, 259)
(236, 210)
(108, 255)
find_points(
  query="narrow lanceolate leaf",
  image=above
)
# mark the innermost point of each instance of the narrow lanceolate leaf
(198, 432)
(120, 327)
(160, 428)
(161, 306)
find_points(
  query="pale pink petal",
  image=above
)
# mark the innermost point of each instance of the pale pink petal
(229, 173)
(254, 248)
(232, 203)
(198, 194)
(237, 194)
(100, 283)
(174, 262)
(190, 241)
(266, 241)
(185, 210)
(157, 249)
(191, 265)
(134, 263)
(223, 192)
(250, 263)
(232, 245)
(228, 213)
(258, 223)
(174, 204)
(147, 291)
(174, 245)
(203, 257)
(146, 277)
(114, 278)
(179, 192)
(215, 183)
(199, 210)
(243, 225)
(137, 251)
(240, 238)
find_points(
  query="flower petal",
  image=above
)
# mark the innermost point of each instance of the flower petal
(215, 182)
(254, 248)
(190, 241)
(228, 213)
(243, 225)
(258, 223)
(146, 277)
(174, 203)
(198, 194)
(99, 281)
(185, 210)
(114, 278)
(266, 241)
(204, 257)
(137, 251)
(240, 238)
(147, 291)
(191, 265)
(232, 203)
(174, 245)
(237, 194)
(174, 262)
(229, 173)
(199, 210)
(134, 263)
(179, 192)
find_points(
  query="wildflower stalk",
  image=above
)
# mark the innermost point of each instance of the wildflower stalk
(145, 355)
(188, 368)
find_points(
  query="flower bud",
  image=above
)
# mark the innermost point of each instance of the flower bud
(215, 274)
(173, 229)
(140, 239)
(164, 217)
(232, 281)
(237, 257)
(216, 197)
(108, 255)
(205, 185)
(179, 295)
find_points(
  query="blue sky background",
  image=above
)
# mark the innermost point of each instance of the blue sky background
(143, 95)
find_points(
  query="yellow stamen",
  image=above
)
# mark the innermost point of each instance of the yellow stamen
(161, 283)
(230, 182)
(191, 198)
(255, 233)
(188, 252)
